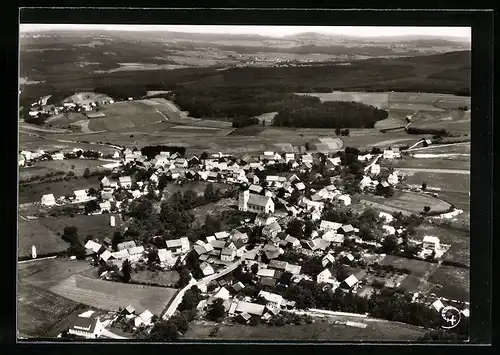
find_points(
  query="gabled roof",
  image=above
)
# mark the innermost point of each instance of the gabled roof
(218, 244)
(259, 200)
(251, 308)
(278, 264)
(347, 228)
(351, 281)
(221, 235)
(267, 281)
(227, 251)
(293, 269)
(266, 273)
(93, 245)
(126, 245)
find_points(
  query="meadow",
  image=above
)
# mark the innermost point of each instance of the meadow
(454, 281)
(409, 201)
(35, 232)
(111, 296)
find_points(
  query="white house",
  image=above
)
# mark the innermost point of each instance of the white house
(48, 200)
(143, 319)
(135, 253)
(430, 243)
(227, 254)
(57, 156)
(95, 247)
(393, 179)
(326, 277)
(327, 259)
(21, 160)
(89, 328)
(178, 245)
(206, 268)
(255, 203)
(81, 195)
(351, 281)
(125, 182)
(345, 199)
(329, 226)
(166, 258)
(375, 169)
(105, 206)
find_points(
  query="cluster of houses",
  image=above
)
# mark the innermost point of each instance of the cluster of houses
(41, 107)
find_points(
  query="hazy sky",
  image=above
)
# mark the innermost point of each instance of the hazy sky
(462, 32)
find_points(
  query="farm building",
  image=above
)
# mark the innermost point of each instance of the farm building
(250, 308)
(430, 243)
(48, 200)
(143, 319)
(178, 245)
(227, 254)
(126, 245)
(206, 268)
(85, 327)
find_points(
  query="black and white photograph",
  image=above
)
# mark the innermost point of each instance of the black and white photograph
(183, 183)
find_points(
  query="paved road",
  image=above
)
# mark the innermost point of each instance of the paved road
(178, 298)
(439, 171)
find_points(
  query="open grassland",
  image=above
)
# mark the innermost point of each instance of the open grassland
(109, 295)
(49, 272)
(429, 163)
(78, 166)
(317, 331)
(164, 278)
(458, 239)
(446, 182)
(33, 192)
(454, 281)
(35, 232)
(409, 201)
(95, 225)
(40, 310)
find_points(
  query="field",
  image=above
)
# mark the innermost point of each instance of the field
(33, 192)
(317, 331)
(96, 225)
(132, 114)
(445, 182)
(455, 283)
(85, 98)
(36, 233)
(418, 268)
(164, 278)
(39, 310)
(109, 295)
(409, 201)
(453, 163)
(78, 166)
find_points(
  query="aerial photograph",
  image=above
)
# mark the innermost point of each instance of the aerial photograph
(195, 183)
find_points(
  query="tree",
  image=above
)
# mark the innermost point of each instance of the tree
(254, 321)
(184, 278)
(164, 331)
(210, 193)
(427, 209)
(366, 233)
(255, 268)
(190, 299)
(204, 156)
(126, 270)
(91, 206)
(346, 133)
(337, 131)
(216, 310)
(141, 208)
(263, 122)
(92, 192)
(285, 278)
(117, 239)
(296, 228)
(180, 321)
(86, 173)
(153, 256)
(424, 186)
(389, 245)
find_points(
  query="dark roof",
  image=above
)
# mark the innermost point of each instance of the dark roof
(238, 286)
(238, 243)
(267, 281)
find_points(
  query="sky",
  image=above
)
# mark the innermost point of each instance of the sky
(274, 31)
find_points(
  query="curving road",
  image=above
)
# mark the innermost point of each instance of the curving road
(178, 298)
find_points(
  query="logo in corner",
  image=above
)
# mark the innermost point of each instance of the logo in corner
(451, 317)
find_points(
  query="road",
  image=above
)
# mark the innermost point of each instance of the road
(373, 162)
(439, 171)
(178, 298)
(437, 146)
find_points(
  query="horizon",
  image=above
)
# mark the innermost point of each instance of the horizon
(450, 33)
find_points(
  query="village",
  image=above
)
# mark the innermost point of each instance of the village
(303, 231)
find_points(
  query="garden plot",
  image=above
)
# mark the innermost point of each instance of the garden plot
(409, 201)
(34, 232)
(385, 278)
(111, 296)
(418, 268)
(451, 282)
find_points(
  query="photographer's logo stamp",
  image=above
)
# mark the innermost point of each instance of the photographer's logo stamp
(451, 317)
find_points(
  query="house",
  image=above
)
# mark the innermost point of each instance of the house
(227, 254)
(135, 253)
(364, 157)
(266, 273)
(273, 254)
(289, 157)
(350, 282)
(239, 246)
(345, 199)
(389, 230)
(255, 189)
(166, 258)
(212, 176)
(255, 203)
(245, 317)
(89, 328)
(375, 169)
(384, 184)
(80, 195)
(327, 259)
(203, 249)
(107, 241)
(293, 269)
(178, 245)
(95, 247)
(250, 308)
(206, 269)
(222, 293)
(267, 281)
(294, 242)
(300, 186)
(125, 182)
(386, 216)
(327, 277)
(307, 158)
(105, 206)
(121, 254)
(278, 264)
(57, 156)
(430, 243)
(221, 235)
(347, 229)
(334, 238)
(143, 319)
(237, 287)
(21, 160)
(48, 200)
(126, 245)
(106, 255)
(109, 182)
(271, 230)
(313, 244)
(438, 305)
(393, 179)
(272, 298)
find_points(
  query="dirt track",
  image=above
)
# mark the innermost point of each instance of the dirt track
(439, 171)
